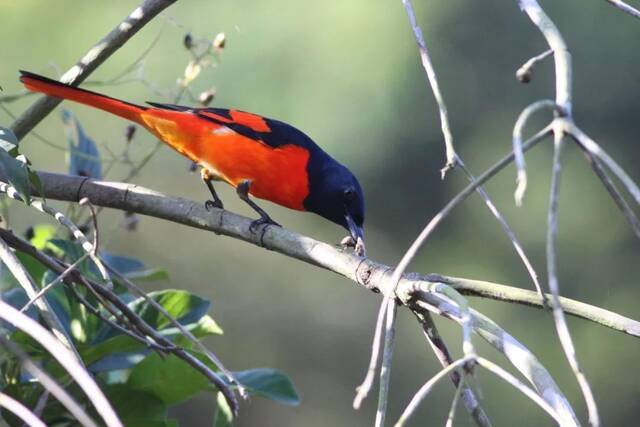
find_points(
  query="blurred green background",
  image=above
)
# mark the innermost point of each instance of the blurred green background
(348, 74)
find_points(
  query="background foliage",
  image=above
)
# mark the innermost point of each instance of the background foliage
(347, 73)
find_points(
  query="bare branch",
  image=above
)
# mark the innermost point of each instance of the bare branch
(139, 323)
(419, 297)
(422, 393)
(385, 370)
(49, 384)
(88, 247)
(525, 297)
(417, 244)
(558, 312)
(54, 282)
(625, 8)
(497, 370)
(19, 410)
(507, 230)
(442, 353)
(561, 55)
(521, 177)
(587, 143)
(184, 331)
(91, 60)
(524, 73)
(65, 358)
(452, 157)
(618, 199)
(26, 282)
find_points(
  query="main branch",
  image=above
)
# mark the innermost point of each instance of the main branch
(365, 272)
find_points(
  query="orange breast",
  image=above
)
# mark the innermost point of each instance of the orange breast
(276, 174)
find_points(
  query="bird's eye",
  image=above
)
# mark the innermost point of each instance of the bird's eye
(349, 194)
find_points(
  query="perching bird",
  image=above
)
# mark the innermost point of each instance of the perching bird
(262, 157)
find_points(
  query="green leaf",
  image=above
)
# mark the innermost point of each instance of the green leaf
(84, 157)
(14, 164)
(35, 269)
(130, 403)
(132, 268)
(169, 379)
(223, 416)
(269, 383)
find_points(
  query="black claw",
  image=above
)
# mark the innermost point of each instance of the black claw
(210, 204)
(262, 221)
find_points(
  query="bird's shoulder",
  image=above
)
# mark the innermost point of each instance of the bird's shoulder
(274, 133)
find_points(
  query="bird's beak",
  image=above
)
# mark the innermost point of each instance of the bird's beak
(357, 234)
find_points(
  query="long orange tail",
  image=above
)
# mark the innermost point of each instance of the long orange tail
(37, 83)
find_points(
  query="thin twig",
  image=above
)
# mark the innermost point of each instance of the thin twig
(420, 298)
(524, 73)
(52, 283)
(618, 199)
(625, 8)
(558, 313)
(137, 19)
(88, 247)
(518, 385)
(523, 118)
(184, 331)
(454, 404)
(136, 320)
(41, 404)
(65, 358)
(507, 230)
(422, 393)
(19, 410)
(444, 357)
(385, 369)
(587, 143)
(426, 232)
(49, 384)
(563, 121)
(130, 333)
(25, 280)
(94, 220)
(452, 157)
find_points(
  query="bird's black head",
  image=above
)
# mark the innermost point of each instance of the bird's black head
(335, 194)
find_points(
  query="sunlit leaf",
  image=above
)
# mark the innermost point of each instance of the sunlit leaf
(224, 415)
(41, 234)
(182, 305)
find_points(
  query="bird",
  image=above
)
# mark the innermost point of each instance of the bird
(260, 157)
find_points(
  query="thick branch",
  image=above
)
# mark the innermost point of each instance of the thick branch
(134, 198)
(90, 61)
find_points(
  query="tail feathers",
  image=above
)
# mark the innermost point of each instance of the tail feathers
(37, 83)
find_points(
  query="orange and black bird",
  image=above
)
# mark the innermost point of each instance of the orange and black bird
(261, 157)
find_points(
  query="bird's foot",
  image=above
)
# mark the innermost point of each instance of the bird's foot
(265, 220)
(350, 243)
(210, 204)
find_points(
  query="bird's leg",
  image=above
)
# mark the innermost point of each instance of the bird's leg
(243, 192)
(207, 177)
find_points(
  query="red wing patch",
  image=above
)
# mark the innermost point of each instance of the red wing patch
(214, 116)
(252, 121)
